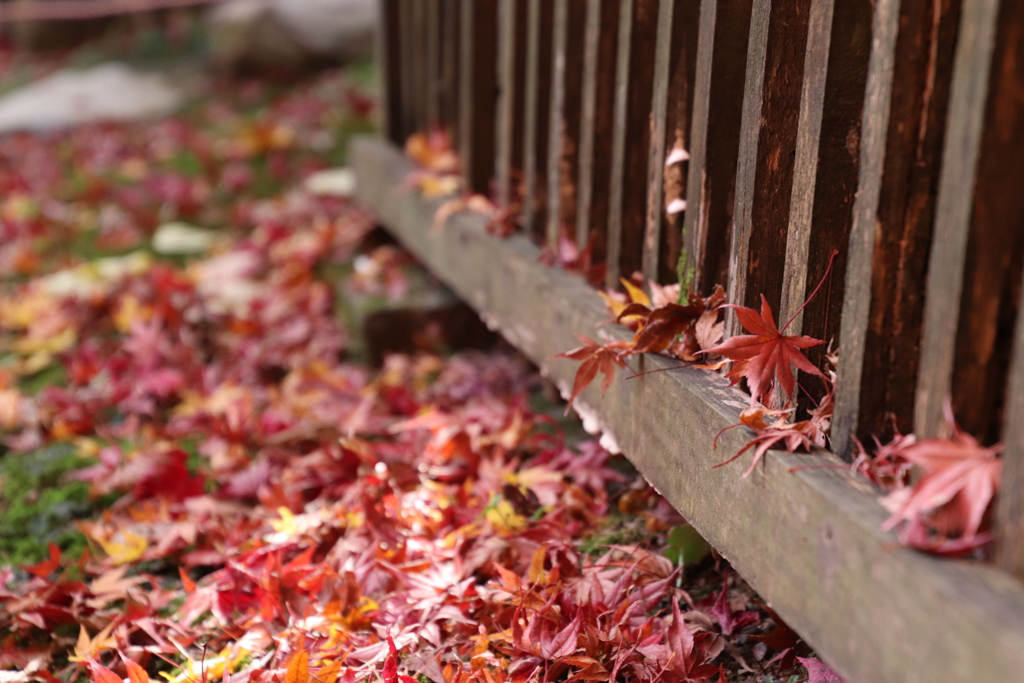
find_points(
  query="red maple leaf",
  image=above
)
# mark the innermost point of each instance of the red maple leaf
(766, 353)
(596, 357)
(944, 510)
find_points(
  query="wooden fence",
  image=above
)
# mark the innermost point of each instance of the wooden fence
(889, 130)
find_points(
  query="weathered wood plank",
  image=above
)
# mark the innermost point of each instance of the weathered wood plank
(808, 541)
(432, 17)
(596, 117)
(478, 92)
(506, 99)
(450, 81)
(893, 224)
(717, 110)
(537, 103)
(388, 54)
(564, 118)
(1010, 505)
(651, 258)
(953, 212)
(805, 165)
(634, 89)
(995, 246)
(678, 121)
(768, 140)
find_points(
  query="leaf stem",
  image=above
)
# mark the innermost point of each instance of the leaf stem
(831, 260)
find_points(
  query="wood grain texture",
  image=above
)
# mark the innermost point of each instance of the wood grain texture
(389, 55)
(808, 542)
(898, 225)
(564, 118)
(478, 93)
(953, 212)
(432, 12)
(1010, 506)
(448, 89)
(995, 245)
(596, 118)
(634, 88)
(678, 121)
(805, 165)
(652, 238)
(538, 104)
(507, 99)
(718, 101)
(768, 140)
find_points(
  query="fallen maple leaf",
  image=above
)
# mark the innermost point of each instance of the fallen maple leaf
(944, 509)
(596, 357)
(768, 353)
(818, 671)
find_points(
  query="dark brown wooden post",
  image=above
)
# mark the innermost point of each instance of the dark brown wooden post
(717, 107)
(478, 92)
(903, 128)
(432, 13)
(596, 117)
(389, 57)
(651, 257)
(631, 134)
(537, 104)
(961, 172)
(507, 98)
(768, 140)
(448, 89)
(564, 117)
(678, 117)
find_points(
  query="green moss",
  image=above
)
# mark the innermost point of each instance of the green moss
(38, 506)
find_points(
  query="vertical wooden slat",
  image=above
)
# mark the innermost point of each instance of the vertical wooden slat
(886, 263)
(634, 84)
(768, 140)
(812, 96)
(718, 100)
(506, 99)
(651, 257)
(417, 63)
(478, 92)
(597, 108)
(389, 58)
(995, 246)
(564, 120)
(432, 17)
(537, 103)
(555, 128)
(448, 90)
(407, 108)
(1010, 509)
(678, 121)
(953, 213)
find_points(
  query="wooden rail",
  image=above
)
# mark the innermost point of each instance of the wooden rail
(887, 130)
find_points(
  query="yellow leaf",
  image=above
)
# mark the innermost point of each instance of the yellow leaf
(504, 518)
(636, 295)
(128, 548)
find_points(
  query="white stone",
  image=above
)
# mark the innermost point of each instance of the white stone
(109, 92)
(290, 34)
(181, 239)
(334, 182)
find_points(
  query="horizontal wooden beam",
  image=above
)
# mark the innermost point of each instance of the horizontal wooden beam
(809, 541)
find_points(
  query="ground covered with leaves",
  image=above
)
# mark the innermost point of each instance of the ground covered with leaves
(203, 480)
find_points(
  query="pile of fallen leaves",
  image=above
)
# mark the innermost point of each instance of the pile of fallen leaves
(267, 507)
(940, 490)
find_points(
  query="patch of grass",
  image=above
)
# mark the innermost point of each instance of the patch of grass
(38, 507)
(619, 529)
